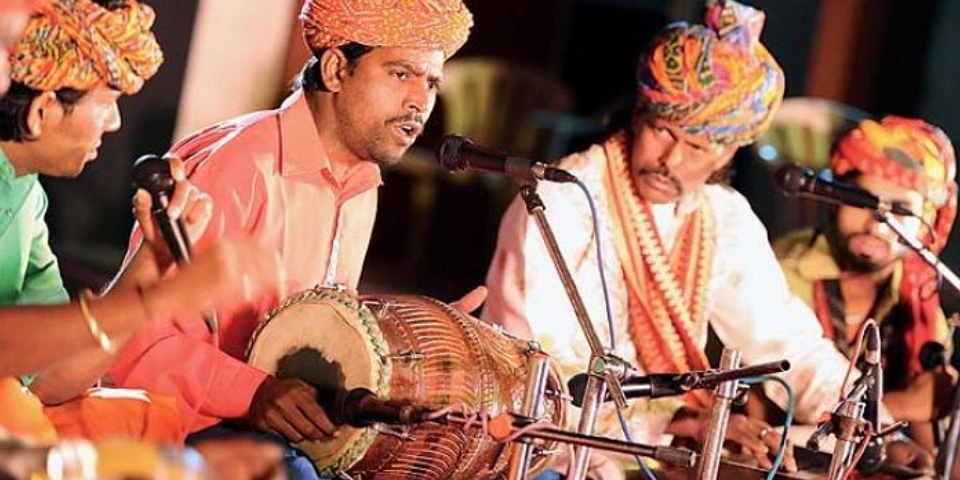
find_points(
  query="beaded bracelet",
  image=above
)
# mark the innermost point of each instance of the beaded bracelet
(93, 326)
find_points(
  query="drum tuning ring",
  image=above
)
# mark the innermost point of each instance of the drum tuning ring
(402, 432)
(406, 357)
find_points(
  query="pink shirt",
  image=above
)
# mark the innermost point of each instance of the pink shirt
(270, 178)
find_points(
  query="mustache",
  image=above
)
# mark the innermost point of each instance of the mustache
(662, 171)
(412, 117)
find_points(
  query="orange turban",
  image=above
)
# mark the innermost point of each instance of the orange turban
(79, 44)
(428, 24)
(916, 156)
(716, 80)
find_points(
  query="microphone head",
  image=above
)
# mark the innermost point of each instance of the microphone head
(152, 173)
(448, 152)
(792, 179)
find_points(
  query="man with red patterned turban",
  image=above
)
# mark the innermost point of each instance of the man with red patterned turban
(855, 268)
(681, 250)
(301, 179)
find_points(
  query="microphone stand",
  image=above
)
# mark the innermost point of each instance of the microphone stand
(948, 452)
(723, 397)
(605, 369)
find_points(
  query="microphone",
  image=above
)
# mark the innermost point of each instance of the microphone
(873, 456)
(456, 153)
(362, 408)
(796, 180)
(152, 174)
(670, 384)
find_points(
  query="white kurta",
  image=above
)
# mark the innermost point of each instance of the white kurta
(748, 303)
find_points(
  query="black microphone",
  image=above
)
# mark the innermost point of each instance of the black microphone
(362, 408)
(796, 180)
(647, 386)
(456, 153)
(152, 174)
(670, 384)
(874, 455)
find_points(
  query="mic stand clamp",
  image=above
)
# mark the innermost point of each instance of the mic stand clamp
(848, 424)
(605, 369)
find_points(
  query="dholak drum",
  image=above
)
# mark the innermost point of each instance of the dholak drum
(406, 348)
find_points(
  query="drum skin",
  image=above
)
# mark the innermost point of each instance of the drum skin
(405, 348)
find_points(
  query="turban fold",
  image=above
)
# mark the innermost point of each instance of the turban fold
(79, 44)
(916, 156)
(429, 24)
(714, 80)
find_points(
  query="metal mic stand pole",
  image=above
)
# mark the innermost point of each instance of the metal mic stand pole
(605, 369)
(917, 246)
(723, 397)
(948, 451)
(532, 408)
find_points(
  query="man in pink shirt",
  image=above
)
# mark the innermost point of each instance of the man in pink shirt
(302, 180)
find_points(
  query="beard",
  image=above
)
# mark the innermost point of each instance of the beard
(863, 263)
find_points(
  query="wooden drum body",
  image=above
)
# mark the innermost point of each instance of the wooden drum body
(407, 348)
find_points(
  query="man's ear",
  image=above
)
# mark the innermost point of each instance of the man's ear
(333, 68)
(43, 109)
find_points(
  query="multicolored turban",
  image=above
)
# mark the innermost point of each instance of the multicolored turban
(714, 80)
(79, 44)
(919, 157)
(428, 24)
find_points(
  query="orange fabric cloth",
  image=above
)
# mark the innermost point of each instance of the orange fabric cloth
(79, 44)
(270, 179)
(95, 418)
(21, 414)
(429, 24)
(715, 79)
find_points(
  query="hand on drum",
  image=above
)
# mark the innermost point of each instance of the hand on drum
(755, 438)
(288, 406)
(471, 301)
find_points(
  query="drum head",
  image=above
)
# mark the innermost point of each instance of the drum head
(332, 342)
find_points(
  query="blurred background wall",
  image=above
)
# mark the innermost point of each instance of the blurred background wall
(538, 78)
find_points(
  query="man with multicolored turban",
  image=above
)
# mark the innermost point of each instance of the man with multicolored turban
(301, 179)
(681, 250)
(854, 268)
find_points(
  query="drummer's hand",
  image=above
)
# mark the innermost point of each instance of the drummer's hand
(471, 301)
(909, 454)
(187, 203)
(289, 407)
